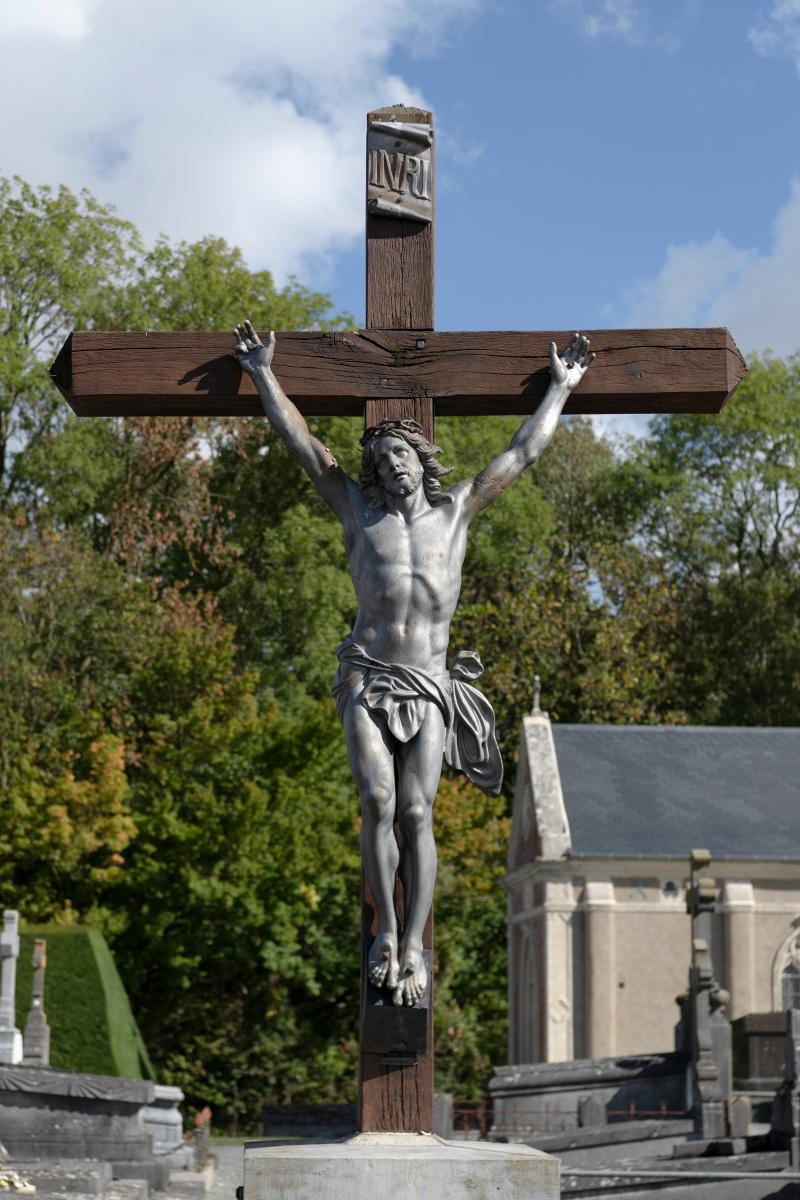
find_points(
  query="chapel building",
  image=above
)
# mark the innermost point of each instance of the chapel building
(604, 820)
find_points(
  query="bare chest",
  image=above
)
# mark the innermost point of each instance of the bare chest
(388, 551)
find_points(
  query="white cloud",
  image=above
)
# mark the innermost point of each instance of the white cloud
(694, 275)
(778, 30)
(194, 119)
(48, 18)
(717, 283)
(712, 283)
(602, 18)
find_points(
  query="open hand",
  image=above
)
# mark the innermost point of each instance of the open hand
(251, 352)
(569, 368)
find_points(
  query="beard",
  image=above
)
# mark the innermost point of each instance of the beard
(406, 484)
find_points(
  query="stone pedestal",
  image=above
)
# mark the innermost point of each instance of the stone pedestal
(164, 1122)
(403, 1166)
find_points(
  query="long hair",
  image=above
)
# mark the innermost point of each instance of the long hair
(432, 470)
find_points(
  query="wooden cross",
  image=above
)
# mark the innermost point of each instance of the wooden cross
(398, 366)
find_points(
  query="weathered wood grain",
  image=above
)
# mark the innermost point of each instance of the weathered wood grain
(195, 374)
(413, 408)
(391, 1098)
(400, 253)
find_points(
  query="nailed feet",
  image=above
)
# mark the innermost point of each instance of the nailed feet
(382, 964)
(413, 978)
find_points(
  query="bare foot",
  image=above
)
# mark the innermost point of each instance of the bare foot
(382, 963)
(413, 977)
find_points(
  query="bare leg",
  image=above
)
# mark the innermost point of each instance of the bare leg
(406, 878)
(373, 769)
(419, 768)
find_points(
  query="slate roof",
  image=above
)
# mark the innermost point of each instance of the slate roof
(657, 790)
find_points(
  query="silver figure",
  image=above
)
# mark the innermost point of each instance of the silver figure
(401, 709)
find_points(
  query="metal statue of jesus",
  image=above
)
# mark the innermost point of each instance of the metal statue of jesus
(402, 710)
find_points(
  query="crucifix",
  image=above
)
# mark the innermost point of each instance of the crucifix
(401, 705)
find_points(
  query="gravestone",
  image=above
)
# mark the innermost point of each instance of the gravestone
(709, 1034)
(443, 1114)
(10, 1036)
(36, 1038)
(786, 1105)
(758, 1050)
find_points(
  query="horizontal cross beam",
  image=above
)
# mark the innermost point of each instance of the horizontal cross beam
(335, 373)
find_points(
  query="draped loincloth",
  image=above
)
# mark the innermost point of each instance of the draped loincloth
(402, 694)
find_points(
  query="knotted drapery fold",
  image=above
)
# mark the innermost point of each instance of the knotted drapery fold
(402, 693)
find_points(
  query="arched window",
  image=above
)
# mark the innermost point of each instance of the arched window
(790, 985)
(786, 973)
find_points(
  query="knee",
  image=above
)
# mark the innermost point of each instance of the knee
(378, 803)
(416, 812)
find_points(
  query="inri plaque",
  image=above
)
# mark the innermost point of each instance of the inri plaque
(400, 170)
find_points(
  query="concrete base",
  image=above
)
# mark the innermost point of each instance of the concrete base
(403, 1166)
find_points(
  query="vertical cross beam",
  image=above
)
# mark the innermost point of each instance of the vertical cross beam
(400, 262)
(397, 1096)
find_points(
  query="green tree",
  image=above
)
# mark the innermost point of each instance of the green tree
(208, 285)
(149, 768)
(63, 258)
(557, 585)
(721, 506)
(470, 985)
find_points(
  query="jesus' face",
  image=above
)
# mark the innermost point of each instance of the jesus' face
(397, 466)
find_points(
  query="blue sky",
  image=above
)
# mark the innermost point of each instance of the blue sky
(572, 158)
(600, 162)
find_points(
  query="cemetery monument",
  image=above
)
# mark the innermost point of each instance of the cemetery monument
(36, 1038)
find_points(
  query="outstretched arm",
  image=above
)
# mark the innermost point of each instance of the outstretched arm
(316, 460)
(534, 435)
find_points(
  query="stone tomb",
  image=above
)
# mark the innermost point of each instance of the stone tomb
(132, 1125)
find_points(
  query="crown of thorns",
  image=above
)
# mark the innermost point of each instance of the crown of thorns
(387, 426)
